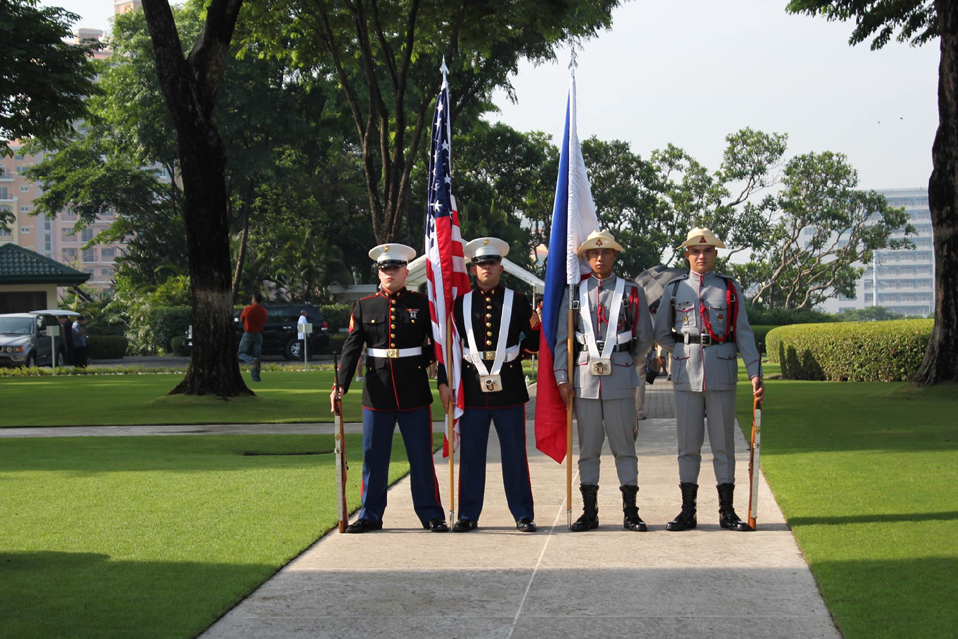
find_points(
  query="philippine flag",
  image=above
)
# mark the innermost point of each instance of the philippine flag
(573, 219)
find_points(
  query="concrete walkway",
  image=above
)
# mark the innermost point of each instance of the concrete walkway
(497, 582)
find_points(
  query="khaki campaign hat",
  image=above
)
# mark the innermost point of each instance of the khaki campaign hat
(599, 240)
(388, 255)
(702, 237)
(486, 249)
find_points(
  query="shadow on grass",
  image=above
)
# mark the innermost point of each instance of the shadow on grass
(873, 519)
(59, 594)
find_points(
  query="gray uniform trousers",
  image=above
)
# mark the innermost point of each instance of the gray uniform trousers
(615, 418)
(705, 377)
(690, 415)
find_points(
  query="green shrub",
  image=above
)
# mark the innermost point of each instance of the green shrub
(163, 324)
(107, 346)
(850, 351)
(179, 347)
(336, 316)
(760, 332)
(335, 345)
(786, 317)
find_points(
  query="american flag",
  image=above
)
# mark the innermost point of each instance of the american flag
(446, 274)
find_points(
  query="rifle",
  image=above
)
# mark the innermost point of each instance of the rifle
(339, 435)
(753, 469)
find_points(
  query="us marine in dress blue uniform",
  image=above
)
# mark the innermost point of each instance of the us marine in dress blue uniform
(394, 326)
(702, 322)
(497, 393)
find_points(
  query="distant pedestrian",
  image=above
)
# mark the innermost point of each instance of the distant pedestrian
(303, 335)
(79, 343)
(66, 335)
(251, 344)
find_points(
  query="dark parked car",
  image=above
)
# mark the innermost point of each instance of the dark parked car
(24, 340)
(280, 335)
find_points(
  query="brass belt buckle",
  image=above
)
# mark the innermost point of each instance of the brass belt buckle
(392, 353)
(488, 355)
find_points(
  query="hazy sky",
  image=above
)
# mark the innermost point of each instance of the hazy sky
(690, 72)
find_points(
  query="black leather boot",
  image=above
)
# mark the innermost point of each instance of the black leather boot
(686, 519)
(727, 517)
(590, 509)
(632, 520)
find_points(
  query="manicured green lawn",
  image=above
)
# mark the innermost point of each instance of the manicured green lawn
(140, 399)
(867, 476)
(157, 536)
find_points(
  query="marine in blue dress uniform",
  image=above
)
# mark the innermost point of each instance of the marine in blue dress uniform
(394, 326)
(497, 393)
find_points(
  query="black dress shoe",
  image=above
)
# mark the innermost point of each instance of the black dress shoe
(438, 525)
(465, 525)
(526, 525)
(364, 525)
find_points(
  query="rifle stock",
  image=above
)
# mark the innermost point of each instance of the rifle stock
(753, 463)
(339, 435)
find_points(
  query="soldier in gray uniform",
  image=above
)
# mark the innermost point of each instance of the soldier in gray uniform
(613, 332)
(702, 322)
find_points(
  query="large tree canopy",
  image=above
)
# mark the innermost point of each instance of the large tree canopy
(918, 22)
(44, 78)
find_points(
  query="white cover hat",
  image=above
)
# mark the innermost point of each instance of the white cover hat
(392, 255)
(483, 249)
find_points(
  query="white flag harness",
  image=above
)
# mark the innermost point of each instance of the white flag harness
(489, 381)
(600, 364)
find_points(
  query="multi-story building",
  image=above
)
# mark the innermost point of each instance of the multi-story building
(55, 238)
(902, 281)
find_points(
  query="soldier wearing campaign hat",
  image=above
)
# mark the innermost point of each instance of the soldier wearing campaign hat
(497, 327)
(395, 327)
(702, 322)
(613, 332)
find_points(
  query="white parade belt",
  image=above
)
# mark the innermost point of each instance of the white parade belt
(393, 353)
(511, 353)
(621, 338)
(600, 363)
(489, 381)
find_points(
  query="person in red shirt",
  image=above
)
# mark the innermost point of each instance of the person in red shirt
(251, 344)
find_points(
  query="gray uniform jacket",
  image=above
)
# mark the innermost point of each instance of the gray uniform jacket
(634, 316)
(704, 368)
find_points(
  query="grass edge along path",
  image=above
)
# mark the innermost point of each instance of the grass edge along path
(866, 475)
(158, 536)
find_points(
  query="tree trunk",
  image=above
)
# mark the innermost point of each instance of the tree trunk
(941, 358)
(189, 87)
(213, 367)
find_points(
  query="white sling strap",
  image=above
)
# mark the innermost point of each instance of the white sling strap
(611, 327)
(475, 355)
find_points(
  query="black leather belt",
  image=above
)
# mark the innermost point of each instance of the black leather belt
(703, 339)
(618, 348)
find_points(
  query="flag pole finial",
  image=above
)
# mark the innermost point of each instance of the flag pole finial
(572, 61)
(443, 67)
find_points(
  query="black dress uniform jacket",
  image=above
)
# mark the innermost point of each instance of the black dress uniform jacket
(486, 319)
(398, 320)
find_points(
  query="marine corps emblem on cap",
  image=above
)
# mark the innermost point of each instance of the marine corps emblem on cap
(486, 249)
(699, 236)
(387, 255)
(599, 239)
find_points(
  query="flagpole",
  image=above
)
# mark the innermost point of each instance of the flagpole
(568, 418)
(450, 425)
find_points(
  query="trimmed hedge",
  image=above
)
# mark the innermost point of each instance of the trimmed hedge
(336, 316)
(107, 346)
(335, 344)
(178, 346)
(165, 323)
(851, 351)
(760, 332)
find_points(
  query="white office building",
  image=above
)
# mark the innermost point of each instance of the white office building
(902, 281)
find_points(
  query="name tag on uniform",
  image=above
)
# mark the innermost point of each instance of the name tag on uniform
(490, 383)
(600, 366)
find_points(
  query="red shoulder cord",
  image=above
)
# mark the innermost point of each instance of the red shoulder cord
(634, 300)
(731, 302)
